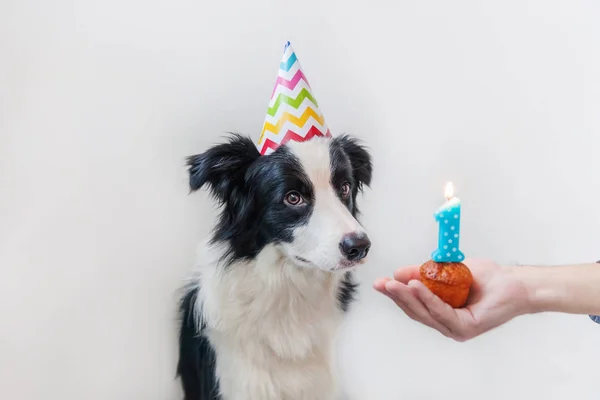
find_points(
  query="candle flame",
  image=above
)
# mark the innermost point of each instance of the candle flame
(449, 192)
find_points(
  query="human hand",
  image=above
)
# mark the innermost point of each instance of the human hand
(497, 295)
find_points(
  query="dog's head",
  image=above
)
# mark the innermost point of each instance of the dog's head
(300, 198)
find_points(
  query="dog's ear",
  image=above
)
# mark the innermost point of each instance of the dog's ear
(362, 165)
(223, 166)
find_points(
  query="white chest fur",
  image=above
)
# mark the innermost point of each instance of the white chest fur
(273, 328)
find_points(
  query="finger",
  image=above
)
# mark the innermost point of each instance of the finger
(406, 274)
(406, 300)
(401, 304)
(438, 309)
(408, 311)
(416, 311)
(379, 284)
(398, 298)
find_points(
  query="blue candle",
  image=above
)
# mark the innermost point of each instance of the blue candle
(448, 219)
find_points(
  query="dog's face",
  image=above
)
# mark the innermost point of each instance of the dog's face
(300, 198)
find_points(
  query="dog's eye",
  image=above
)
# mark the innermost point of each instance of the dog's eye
(293, 198)
(345, 189)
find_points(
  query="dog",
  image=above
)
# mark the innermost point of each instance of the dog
(259, 316)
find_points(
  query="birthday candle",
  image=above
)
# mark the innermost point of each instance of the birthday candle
(448, 219)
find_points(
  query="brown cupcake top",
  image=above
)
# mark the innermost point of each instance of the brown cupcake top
(457, 274)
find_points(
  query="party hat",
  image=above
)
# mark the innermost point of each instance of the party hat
(293, 112)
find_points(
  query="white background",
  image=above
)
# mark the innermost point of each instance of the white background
(101, 101)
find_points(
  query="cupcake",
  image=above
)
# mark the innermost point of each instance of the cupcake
(450, 281)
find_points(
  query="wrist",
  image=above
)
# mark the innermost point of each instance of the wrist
(525, 280)
(539, 295)
(571, 289)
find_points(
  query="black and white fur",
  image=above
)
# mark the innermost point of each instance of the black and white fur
(259, 317)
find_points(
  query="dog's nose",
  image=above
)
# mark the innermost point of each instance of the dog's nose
(355, 246)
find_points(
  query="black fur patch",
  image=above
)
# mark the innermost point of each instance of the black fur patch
(196, 366)
(347, 291)
(251, 189)
(350, 162)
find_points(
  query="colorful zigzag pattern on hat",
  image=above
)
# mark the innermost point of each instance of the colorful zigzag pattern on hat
(293, 112)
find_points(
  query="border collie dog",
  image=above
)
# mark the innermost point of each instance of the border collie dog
(259, 316)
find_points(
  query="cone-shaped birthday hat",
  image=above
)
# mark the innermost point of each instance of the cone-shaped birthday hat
(293, 112)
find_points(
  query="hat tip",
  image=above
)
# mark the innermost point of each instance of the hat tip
(287, 44)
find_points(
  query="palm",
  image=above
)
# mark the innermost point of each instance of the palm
(491, 302)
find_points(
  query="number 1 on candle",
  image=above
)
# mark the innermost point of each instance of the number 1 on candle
(448, 219)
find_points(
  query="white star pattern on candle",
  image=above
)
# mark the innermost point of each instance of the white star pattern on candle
(445, 233)
(449, 240)
(454, 249)
(448, 254)
(456, 235)
(460, 257)
(445, 247)
(452, 227)
(439, 257)
(445, 221)
(455, 215)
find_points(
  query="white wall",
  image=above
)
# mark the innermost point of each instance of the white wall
(101, 101)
